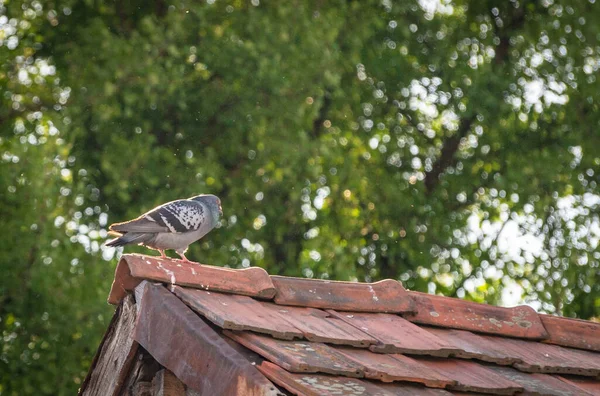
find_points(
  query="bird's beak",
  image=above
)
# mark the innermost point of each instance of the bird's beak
(220, 210)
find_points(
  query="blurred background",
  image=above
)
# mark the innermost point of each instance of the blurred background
(453, 145)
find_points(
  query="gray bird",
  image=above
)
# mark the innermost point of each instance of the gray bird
(174, 225)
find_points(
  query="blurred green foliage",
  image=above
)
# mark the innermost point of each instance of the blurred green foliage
(452, 145)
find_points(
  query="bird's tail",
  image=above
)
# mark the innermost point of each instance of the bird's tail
(129, 238)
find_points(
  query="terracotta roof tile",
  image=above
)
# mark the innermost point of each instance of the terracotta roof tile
(396, 335)
(589, 385)
(320, 338)
(574, 333)
(389, 368)
(472, 377)
(319, 385)
(299, 356)
(405, 389)
(179, 340)
(541, 384)
(538, 357)
(243, 313)
(317, 325)
(473, 346)
(522, 321)
(133, 268)
(237, 312)
(384, 296)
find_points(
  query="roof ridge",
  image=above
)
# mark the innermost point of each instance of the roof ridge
(386, 296)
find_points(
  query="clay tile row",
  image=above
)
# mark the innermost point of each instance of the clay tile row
(387, 296)
(326, 385)
(466, 376)
(383, 296)
(312, 357)
(396, 335)
(537, 357)
(235, 312)
(319, 385)
(381, 333)
(528, 356)
(575, 333)
(133, 269)
(520, 322)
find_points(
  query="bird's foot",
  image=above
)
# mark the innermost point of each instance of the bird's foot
(162, 253)
(185, 259)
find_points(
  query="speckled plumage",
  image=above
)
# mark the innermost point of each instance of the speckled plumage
(174, 225)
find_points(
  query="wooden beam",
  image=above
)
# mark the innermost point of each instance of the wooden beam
(165, 383)
(115, 354)
(141, 373)
(182, 342)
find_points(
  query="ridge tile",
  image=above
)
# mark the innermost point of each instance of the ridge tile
(576, 333)
(384, 296)
(520, 322)
(134, 268)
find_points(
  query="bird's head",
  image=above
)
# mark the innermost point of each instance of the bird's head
(213, 202)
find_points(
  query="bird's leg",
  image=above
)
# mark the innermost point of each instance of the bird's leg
(162, 253)
(183, 258)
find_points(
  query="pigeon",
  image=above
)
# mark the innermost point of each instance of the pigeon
(173, 225)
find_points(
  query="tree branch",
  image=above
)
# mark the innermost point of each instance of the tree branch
(517, 22)
(447, 157)
(317, 126)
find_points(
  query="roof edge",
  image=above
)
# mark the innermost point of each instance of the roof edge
(194, 343)
(133, 268)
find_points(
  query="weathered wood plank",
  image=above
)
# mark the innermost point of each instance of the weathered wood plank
(141, 373)
(182, 342)
(115, 355)
(165, 383)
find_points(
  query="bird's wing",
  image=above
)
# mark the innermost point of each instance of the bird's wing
(174, 217)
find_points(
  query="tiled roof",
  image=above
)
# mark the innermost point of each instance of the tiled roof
(315, 337)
